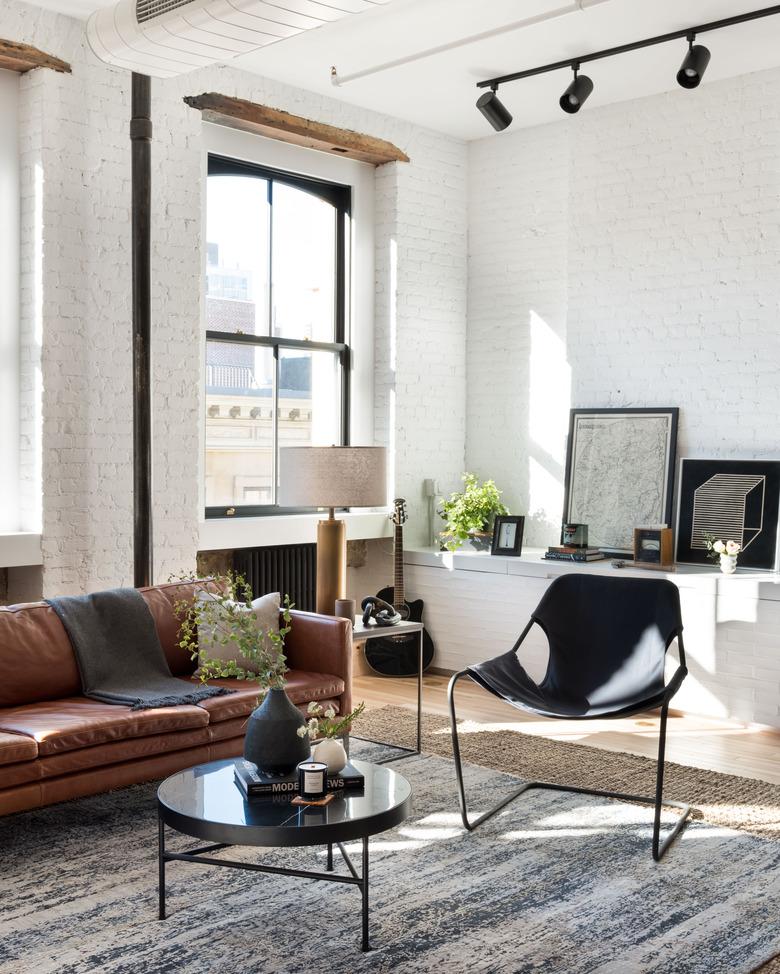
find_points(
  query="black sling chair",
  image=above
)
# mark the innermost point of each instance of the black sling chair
(608, 639)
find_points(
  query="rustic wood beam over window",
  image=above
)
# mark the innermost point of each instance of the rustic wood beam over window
(24, 57)
(274, 124)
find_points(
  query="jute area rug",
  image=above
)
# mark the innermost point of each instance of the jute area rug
(556, 883)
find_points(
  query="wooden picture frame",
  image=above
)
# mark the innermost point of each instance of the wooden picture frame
(505, 540)
(620, 466)
(654, 547)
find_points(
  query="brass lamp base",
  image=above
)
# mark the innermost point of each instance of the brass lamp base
(331, 564)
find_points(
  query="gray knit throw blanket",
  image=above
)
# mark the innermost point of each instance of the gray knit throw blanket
(118, 651)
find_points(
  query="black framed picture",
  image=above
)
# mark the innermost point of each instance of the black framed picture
(729, 500)
(620, 472)
(508, 535)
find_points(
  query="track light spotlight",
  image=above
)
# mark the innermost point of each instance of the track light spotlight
(576, 94)
(494, 111)
(695, 64)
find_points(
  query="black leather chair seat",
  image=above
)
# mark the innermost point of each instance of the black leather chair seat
(505, 677)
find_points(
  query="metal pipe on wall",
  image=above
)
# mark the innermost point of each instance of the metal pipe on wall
(576, 6)
(141, 179)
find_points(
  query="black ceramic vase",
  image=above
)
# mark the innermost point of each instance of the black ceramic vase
(272, 741)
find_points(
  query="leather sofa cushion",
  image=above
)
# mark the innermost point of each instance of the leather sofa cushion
(63, 725)
(17, 747)
(301, 688)
(36, 659)
(138, 749)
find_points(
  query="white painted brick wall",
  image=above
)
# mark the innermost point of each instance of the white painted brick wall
(640, 243)
(77, 292)
(646, 236)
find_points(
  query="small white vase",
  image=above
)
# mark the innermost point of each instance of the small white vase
(330, 752)
(728, 564)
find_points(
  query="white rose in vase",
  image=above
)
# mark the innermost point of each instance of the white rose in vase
(719, 547)
(733, 548)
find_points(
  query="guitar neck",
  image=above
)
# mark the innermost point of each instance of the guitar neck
(398, 567)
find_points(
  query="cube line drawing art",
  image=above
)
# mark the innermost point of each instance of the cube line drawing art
(728, 506)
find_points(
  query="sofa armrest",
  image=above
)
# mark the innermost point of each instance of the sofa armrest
(322, 644)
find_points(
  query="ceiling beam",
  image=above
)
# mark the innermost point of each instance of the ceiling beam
(25, 57)
(249, 116)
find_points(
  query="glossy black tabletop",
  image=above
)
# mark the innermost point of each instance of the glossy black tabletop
(205, 801)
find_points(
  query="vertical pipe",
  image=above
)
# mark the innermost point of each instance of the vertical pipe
(141, 175)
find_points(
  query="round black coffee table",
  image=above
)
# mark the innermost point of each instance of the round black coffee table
(205, 802)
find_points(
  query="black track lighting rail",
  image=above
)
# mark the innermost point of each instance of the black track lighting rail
(688, 33)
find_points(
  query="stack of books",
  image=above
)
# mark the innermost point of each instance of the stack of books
(255, 784)
(570, 553)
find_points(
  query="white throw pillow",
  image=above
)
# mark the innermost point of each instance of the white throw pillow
(266, 610)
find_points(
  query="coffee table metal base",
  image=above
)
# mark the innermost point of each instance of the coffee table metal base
(200, 855)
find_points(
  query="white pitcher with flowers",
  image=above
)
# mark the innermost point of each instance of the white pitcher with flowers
(724, 552)
(324, 729)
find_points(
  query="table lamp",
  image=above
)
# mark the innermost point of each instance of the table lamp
(332, 476)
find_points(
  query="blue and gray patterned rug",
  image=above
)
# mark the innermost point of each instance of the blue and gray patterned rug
(557, 883)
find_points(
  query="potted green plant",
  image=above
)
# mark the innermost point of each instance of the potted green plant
(469, 514)
(232, 635)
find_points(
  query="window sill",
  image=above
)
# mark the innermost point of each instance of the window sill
(256, 532)
(20, 548)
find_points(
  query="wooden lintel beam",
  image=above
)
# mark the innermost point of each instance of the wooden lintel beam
(272, 123)
(25, 57)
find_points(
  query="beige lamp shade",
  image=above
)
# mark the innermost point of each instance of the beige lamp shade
(333, 476)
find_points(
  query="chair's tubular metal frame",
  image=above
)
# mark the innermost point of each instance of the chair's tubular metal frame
(659, 846)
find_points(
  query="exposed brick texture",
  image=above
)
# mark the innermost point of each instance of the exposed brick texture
(630, 256)
(76, 298)
(631, 253)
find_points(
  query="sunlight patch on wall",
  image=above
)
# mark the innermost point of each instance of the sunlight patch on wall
(549, 399)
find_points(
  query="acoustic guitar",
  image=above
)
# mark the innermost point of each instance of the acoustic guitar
(398, 655)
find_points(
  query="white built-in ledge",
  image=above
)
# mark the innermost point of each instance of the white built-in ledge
(219, 533)
(20, 548)
(477, 604)
(746, 581)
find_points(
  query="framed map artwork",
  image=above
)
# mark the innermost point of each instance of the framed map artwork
(620, 473)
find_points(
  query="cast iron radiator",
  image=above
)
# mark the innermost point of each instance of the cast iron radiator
(288, 569)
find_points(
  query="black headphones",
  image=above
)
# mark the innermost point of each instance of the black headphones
(383, 613)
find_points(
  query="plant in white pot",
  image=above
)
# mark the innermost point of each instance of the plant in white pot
(469, 514)
(232, 635)
(724, 552)
(325, 729)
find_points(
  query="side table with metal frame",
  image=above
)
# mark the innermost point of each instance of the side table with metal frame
(360, 634)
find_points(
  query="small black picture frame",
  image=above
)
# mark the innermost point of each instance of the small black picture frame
(508, 535)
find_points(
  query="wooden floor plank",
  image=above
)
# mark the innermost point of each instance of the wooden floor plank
(719, 745)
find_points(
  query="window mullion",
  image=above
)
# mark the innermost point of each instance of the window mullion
(270, 306)
(275, 431)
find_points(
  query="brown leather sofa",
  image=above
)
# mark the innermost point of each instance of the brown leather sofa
(56, 744)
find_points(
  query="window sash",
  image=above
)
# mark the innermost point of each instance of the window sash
(341, 352)
(340, 196)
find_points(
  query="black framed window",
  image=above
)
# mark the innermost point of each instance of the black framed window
(277, 359)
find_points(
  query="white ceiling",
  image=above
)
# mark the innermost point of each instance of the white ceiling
(439, 91)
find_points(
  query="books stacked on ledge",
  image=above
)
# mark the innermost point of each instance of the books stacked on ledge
(570, 553)
(255, 784)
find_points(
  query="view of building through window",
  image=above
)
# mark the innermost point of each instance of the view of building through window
(272, 273)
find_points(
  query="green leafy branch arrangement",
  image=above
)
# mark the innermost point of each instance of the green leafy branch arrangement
(472, 509)
(227, 615)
